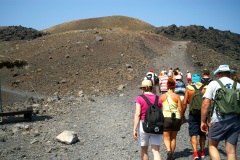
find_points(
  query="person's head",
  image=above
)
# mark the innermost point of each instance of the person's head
(234, 75)
(171, 84)
(206, 72)
(235, 78)
(175, 72)
(223, 71)
(146, 85)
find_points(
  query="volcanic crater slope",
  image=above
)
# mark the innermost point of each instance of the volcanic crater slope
(106, 55)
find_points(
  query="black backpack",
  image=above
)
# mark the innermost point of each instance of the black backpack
(153, 122)
(155, 78)
(206, 81)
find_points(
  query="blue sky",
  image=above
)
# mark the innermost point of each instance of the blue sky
(42, 14)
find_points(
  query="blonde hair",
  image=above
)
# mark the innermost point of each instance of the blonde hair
(147, 89)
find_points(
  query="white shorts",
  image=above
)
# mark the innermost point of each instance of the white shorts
(145, 139)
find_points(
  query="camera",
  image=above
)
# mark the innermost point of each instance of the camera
(173, 116)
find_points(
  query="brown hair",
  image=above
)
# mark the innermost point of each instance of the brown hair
(206, 72)
(171, 84)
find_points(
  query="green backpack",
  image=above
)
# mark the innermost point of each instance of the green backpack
(227, 100)
(196, 103)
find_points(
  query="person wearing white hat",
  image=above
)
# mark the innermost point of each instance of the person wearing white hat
(154, 78)
(220, 128)
(144, 139)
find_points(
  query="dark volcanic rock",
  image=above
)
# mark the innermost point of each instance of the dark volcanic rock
(19, 33)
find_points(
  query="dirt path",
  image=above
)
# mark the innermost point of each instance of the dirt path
(175, 57)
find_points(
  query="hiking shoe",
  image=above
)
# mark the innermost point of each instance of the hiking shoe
(202, 154)
(195, 157)
(169, 155)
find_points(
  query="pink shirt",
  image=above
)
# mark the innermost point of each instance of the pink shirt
(144, 104)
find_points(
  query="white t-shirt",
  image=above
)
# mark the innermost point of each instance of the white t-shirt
(213, 86)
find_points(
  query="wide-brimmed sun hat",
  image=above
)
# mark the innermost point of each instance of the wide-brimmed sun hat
(146, 83)
(223, 68)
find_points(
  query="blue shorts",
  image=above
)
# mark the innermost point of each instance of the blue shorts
(194, 122)
(228, 130)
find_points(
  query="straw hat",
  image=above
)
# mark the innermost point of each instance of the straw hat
(146, 83)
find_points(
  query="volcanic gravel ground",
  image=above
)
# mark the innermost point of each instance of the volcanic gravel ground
(102, 123)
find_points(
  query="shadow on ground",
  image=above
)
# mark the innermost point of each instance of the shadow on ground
(17, 119)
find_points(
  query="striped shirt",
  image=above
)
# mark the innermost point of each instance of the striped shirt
(163, 81)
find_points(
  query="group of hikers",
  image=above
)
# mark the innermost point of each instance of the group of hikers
(214, 110)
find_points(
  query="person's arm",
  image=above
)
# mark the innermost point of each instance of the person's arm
(185, 100)
(204, 113)
(179, 104)
(180, 109)
(159, 85)
(136, 120)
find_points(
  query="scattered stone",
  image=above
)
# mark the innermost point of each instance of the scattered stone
(80, 94)
(68, 137)
(121, 87)
(99, 38)
(2, 139)
(63, 81)
(34, 141)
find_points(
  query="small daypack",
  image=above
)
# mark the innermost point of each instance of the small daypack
(180, 87)
(227, 100)
(196, 103)
(154, 119)
(154, 78)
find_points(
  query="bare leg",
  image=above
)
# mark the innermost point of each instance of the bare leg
(194, 143)
(167, 140)
(173, 140)
(156, 153)
(144, 152)
(231, 151)
(213, 149)
(202, 142)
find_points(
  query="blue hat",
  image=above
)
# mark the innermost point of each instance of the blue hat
(196, 78)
